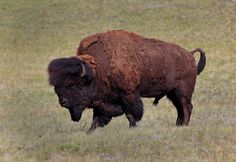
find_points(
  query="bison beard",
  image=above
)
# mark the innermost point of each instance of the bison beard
(120, 67)
(75, 114)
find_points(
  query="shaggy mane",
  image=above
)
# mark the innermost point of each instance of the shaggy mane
(60, 69)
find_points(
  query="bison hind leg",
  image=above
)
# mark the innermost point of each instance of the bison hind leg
(183, 105)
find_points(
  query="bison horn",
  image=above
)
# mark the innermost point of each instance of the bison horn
(83, 71)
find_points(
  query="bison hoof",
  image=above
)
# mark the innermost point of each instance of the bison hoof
(132, 124)
(90, 130)
(181, 122)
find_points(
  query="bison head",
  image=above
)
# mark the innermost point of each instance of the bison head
(72, 80)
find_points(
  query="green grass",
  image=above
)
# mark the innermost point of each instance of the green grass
(33, 127)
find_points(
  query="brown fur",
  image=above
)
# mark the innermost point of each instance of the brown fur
(136, 66)
(121, 67)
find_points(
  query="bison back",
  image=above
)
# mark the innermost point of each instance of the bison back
(132, 63)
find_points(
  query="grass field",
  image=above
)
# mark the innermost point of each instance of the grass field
(33, 127)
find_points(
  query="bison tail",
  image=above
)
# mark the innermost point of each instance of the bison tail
(202, 61)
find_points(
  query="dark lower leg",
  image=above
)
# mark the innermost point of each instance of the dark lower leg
(133, 105)
(94, 125)
(132, 121)
(98, 121)
(180, 116)
(183, 105)
(176, 100)
(187, 113)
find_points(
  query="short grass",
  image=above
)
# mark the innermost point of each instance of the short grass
(33, 127)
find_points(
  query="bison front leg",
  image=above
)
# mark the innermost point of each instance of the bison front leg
(131, 119)
(103, 113)
(133, 107)
(98, 121)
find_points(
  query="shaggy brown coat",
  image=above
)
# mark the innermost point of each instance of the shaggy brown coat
(113, 70)
(143, 67)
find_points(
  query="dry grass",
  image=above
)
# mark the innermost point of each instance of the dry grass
(34, 128)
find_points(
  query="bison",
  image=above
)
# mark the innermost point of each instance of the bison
(113, 70)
